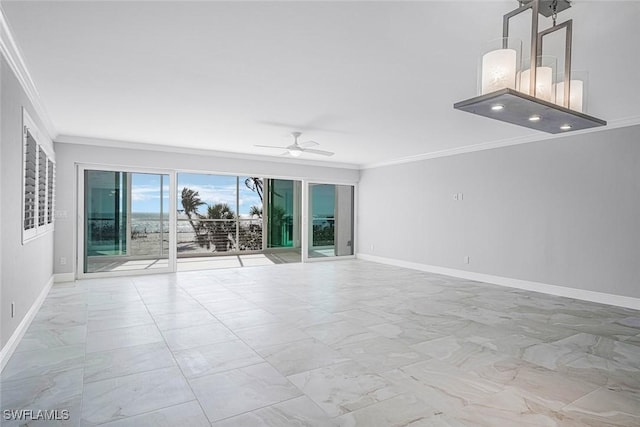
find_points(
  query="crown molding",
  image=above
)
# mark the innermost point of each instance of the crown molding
(612, 124)
(112, 143)
(14, 58)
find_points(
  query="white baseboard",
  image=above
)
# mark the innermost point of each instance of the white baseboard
(14, 340)
(64, 277)
(599, 297)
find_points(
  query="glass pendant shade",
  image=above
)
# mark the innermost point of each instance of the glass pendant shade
(545, 72)
(500, 65)
(576, 90)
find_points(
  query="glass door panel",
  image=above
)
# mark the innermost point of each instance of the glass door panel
(250, 213)
(283, 213)
(207, 206)
(330, 220)
(149, 217)
(126, 221)
(105, 213)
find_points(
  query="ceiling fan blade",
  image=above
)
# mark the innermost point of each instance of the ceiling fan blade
(320, 152)
(308, 144)
(270, 146)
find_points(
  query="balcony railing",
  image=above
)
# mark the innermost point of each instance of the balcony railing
(323, 231)
(199, 236)
(218, 236)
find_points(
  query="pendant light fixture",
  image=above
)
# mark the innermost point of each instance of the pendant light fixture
(527, 96)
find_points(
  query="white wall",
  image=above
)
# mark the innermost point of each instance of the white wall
(1, 200)
(562, 212)
(68, 155)
(26, 269)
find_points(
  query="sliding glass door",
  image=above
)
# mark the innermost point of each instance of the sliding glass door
(330, 223)
(219, 214)
(136, 221)
(283, 213)
(126, 221)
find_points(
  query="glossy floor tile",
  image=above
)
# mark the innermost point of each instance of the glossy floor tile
(241, 390)
(347, 343)
(116, 398)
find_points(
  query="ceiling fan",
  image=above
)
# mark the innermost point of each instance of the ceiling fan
(297, 148)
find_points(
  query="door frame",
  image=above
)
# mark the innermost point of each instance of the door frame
(80, 226)
(305, 221)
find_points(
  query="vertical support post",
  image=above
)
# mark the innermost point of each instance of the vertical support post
(161, 216)
(266, 200)
(173, 221)
(126, 206)
(304, 222)
(237, 243)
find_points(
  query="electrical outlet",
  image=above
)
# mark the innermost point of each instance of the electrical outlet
(466, 260)
(63, 260)
(13, 310)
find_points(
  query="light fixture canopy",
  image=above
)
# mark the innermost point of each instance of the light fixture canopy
(536, 101)
(295, 151)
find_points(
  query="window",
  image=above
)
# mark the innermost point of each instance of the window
(38, 183)
(30, 173)
(42, 187)
(50, 186)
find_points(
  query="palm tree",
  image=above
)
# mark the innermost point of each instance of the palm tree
(255, 211)
(255, 184)
(220, 211)
(190, 203)
(221, 232)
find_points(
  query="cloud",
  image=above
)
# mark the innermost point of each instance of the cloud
(140, 193)
(212, 194)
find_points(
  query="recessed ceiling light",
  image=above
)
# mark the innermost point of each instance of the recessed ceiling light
(497, 107)
(565, 127)
(534, 118)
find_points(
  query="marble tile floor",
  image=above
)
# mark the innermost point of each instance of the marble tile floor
(185, 263)
(324, 344)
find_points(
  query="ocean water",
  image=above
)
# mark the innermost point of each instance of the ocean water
(149, 222)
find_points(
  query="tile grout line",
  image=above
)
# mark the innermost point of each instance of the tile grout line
(184, 377)
(252, 349)
(302, 393)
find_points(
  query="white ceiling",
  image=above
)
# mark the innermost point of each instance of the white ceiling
(372, 81)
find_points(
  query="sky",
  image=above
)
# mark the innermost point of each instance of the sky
(212, 189)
